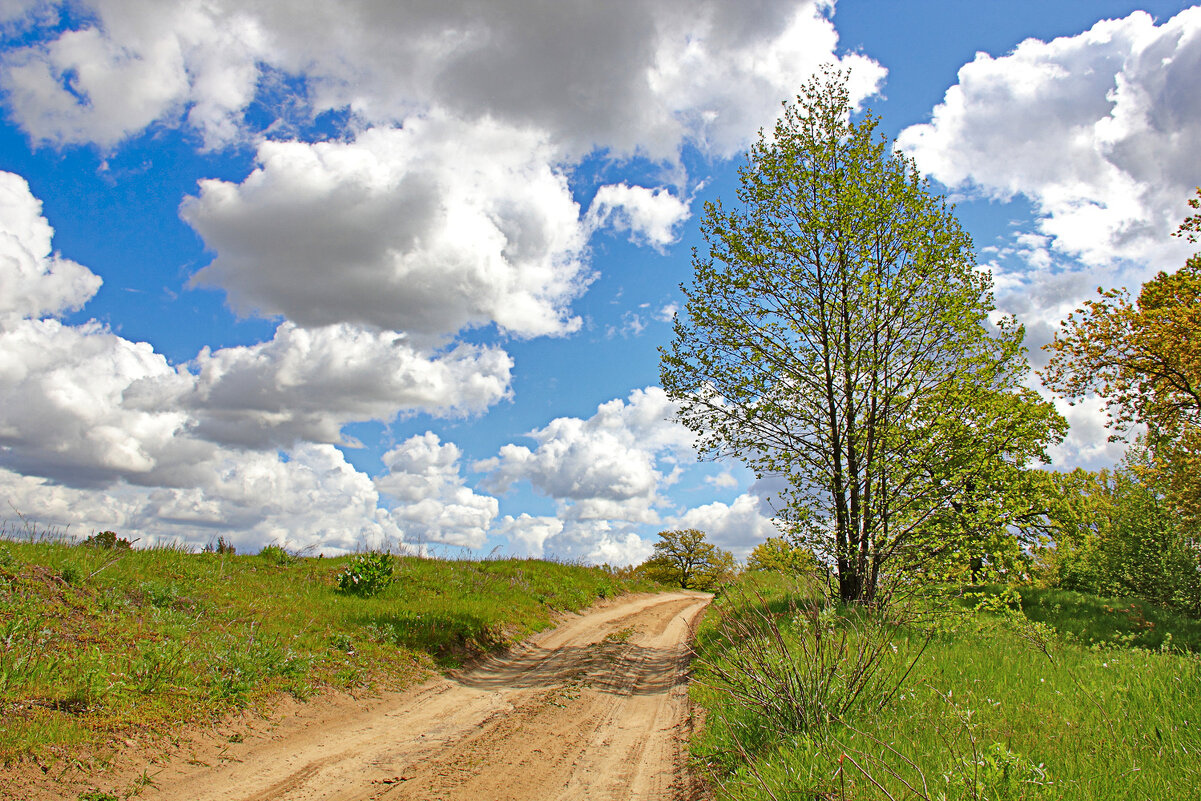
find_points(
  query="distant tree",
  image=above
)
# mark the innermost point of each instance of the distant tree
(776, 554)
(1114, 533)
(837, 333)
(1143, 356)
(108, 540)
(685, 558)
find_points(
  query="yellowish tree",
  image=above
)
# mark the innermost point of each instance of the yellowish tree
(1143, 356)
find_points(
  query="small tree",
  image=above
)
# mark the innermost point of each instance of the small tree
(685, 558)
(108, 540)
(837, 334)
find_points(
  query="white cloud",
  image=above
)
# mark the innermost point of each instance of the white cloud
(142, 62)
(736, 527)
(724, 480)
(634, 78)
(315, 500)
(596, 542)
(608, 467)
(527, 534)
(34, 282)
(429, 229)
(62, 413)
(306, 384)
(1095, 129)
(101, 432)
(652, 216)
(434, 503)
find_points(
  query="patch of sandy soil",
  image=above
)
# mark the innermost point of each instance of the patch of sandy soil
(596, 708)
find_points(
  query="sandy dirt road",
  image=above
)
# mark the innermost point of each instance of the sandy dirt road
(596, 708)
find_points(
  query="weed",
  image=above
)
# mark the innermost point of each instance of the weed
(97, 795)
(367, 574)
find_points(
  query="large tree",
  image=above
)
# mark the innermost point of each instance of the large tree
(1143, 356)
(837, 334)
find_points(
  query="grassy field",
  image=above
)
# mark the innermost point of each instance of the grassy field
(1049, 698)
(95, 643)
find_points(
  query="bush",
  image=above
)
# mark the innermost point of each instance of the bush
(367, 574)
(276, 555)
(109, 540)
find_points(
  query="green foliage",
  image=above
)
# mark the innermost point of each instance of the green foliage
(837, 334)
(367, 574)
(790, 663)
(1114, 533)
(1108, 620)
(109, 540)
(781, 556)
(276, 555)
(684, 558)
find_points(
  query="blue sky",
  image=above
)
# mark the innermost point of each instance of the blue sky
(337, 275)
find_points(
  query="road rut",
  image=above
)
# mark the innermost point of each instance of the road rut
(596, 708)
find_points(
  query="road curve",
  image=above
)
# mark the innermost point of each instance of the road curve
(596, 708)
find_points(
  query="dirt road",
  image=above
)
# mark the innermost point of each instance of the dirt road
(594, 709)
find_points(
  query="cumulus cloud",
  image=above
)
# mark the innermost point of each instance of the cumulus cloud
(1095, 129)
(651, 216)
(427, 229)
(306, 384)
(100, 431)
(33, 281)
(608, 467)
(736, 527)
(528, 534)
(139, 63)
(633, 78)
(314, 500)
(590, 541)
(433, 502)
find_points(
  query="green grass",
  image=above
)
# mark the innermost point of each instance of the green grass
(997, 707)
(96, 643)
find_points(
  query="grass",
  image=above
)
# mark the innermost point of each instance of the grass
(998, 706)
(97, 643)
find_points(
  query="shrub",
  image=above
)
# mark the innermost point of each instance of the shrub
(277, 555)
(367, 574)
(109, 540)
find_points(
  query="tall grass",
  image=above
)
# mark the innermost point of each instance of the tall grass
(997, 707)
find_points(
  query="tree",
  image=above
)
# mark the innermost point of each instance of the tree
(1114, 534)
(686, 558)
(837, 334)
(776, 554)
(1143, 356)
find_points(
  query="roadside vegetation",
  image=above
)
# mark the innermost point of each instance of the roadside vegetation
(100, 641)
(941, 618)
(1079, 697)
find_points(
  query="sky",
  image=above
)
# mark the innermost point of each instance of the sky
(376, 273)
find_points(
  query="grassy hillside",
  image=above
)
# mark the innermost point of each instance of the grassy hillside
(998, 705)
(95, 642)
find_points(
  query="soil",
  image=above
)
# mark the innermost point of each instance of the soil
(596, 708)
